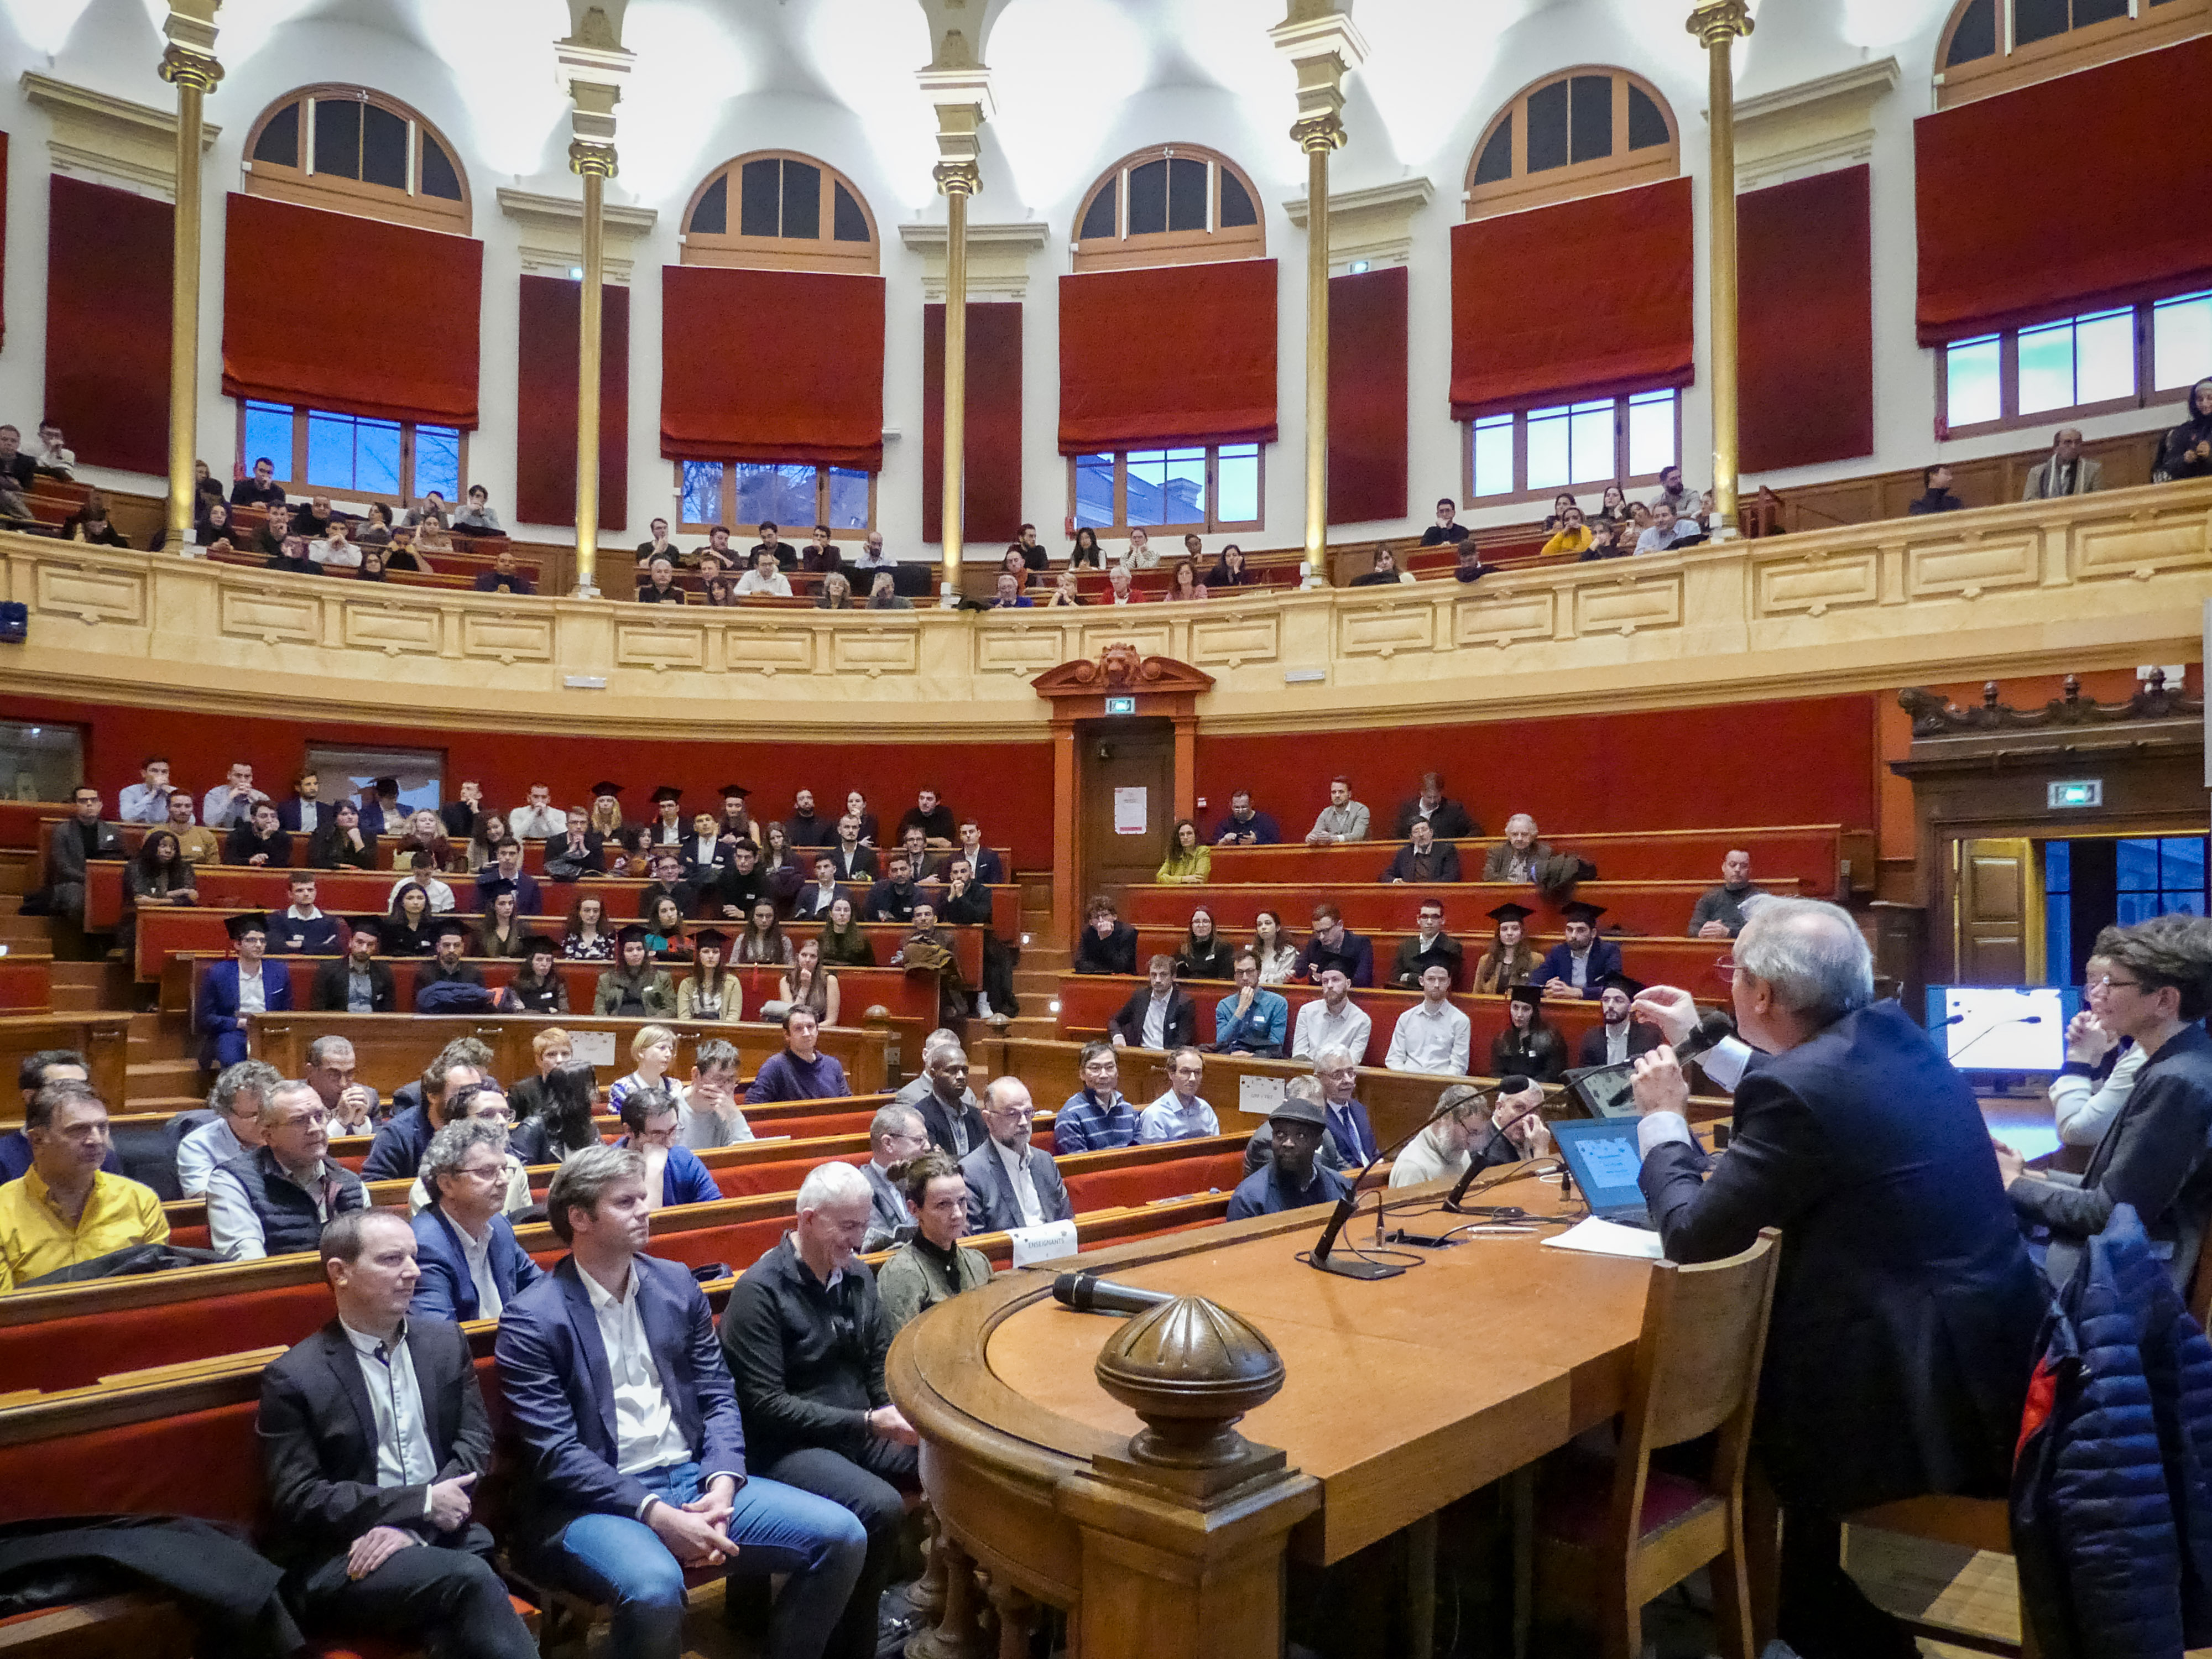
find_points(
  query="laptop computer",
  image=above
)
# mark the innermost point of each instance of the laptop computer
(1604, 1158)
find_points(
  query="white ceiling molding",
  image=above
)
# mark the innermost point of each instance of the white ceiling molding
(111, 141)
(1816, 127)
(1375, 224)
(569, 264)
(556, 225)
(998, 257)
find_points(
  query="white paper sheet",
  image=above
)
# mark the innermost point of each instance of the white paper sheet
(1130, 817)
(1045, 1244)
(591, 1047)
(1597, 1236)
(1259, 1096)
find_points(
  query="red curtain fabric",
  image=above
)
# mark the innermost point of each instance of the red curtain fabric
(1172, 354)
(1584, 299)
(110, 256)
(1367, 395)
(545, 403)
(993, 498)
(2064, 196)
(3, 231)
(771, 366)
(349, 313)
(1805, 320)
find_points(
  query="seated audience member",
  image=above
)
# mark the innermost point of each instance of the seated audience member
(472, 1266)
(538, 987)
(618, 1389)
(892, 899)
(852, 860)
(339, 843)
(1342, 819)
(708, 1110)
(504, 577)
(800, 1070)
(1119, 588)
(1083, 553)
(1065, 591)
(2100, 1066)
(842, 942)
(507, 865)
(1528, 1044)
(1473, 1130)
(658, 545)
(633, 988)
(52, 456)
(232, 801)
(1331, 1020)
(236, 1100)
(303, 813)
(1612, 506)
(806, 1336)
(148, 800)
(1245, 826)
(816, 897)
(67, 1207)
(576, 849)
(407, 927)
(807, 984)
(1432, 1035)
(1140, 554)
(942, 1096)
(1521, 856)
(332, 1072)
(1511, 959)
(1107, 945)
(269, 541)
(90, 523)
(1261, 1145)
(1666, 532)
(301, 928)
(1350, 1134)
(313, 520)
(1204, 953)
(558, 1123)
(1935, 497)
(1429, 944)
(1581, 962)
(419, 1110)
(1096, 1117)
(883, 596)
(1179, 1114)
(1009, 595)
(1673, 494)
(1250, 1020)
(1159, 1016)
(449, 941)
(431, 511)
(1604, 542)
(1444, 530)
(291, 558)
(2186, 450)
(408, 549)
(260, 488)
(1188, 860)
(896, 1134)
(933, 1264)
(381, 813)
(37, 1069)
(333, 549)
(199, 845)
(929, 945)
(159, 876)
(376, 529)
(1720, 910)
(871, 557)
(654, 1048)
(1383, 573)
(932, 818)
(712, 993)
(1423, 858)
(1183, 583)
(1617, 1039)
(837, 594)
(238, 988)
(83, 837)
(1446, 818)
(660, 586)
(763, 938)
(668, 883)
(2068, 472)
(1572, 535)
(275, 1199)
(1334, 946)
(477, 517)
(772, 544)
(259, 842)
(764, 578)
(2156, 988)
(587, 936)
(502, 935)
(1467, 565)
(1292, 1178)
(984, 863)
(538, 819)
(673, 1173)
(1228, 570)
(1009, 1183)
(821, 556)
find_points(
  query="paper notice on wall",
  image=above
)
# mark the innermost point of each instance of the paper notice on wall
(591, 1047)
(1256, 1096)
(1129, 810)
(1047, 1243)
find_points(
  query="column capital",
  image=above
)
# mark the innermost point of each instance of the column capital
(957, 178)
(1720, 22)
(1314, 132)
(590, 158)
(183, 67)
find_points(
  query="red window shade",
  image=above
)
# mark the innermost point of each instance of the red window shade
(1805, 317)
(1367, 395)
(3, 229)
(2064, 196)
(349, 313)
(771, 366)
(1584, 299)
(992, 423)
(1171, 355)
(110, 259)
(545, 404)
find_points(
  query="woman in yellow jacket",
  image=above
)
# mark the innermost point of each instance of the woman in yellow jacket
(1572, 536)
(1187, 859)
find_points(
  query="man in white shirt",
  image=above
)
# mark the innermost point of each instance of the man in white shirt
(236, 1101)
(227, 804)
(1331, 1023)
(1009, 1184)
(540, 820)
(764, 578)
(1179, 1114)
(708, 1114)
(147, 802)
(1342, 819)
(1664, 533)
(1432, 1035)
(871, 554)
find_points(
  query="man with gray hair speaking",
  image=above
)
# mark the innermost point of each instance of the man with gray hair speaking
(1905, 1308)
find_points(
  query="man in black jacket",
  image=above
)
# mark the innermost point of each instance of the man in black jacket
(741, 884)
(941, 1095)
(1107, 944)
(806, 1336)
(373, 1436)
(1423, 857)
(1163, 998)
(356, 983)
(80, 838)
(892, 898)
(1447, 819)
(451, 935)
(1905, 1308)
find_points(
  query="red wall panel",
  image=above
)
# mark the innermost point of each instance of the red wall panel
(545, 403)
(993, 424)
(1367, 395)
(110, 256)
(1804, 253)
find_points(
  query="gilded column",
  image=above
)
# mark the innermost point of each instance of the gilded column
(1718, 26)
(188, 63)
(959, 88)
(595, 64)
(1322, 46)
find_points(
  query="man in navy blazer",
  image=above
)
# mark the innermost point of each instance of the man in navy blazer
(1580, 966)
(635, 1457)
(236, 986)
(465, 1246)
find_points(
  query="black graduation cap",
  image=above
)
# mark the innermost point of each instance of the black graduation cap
(533, 943)
(253, 921)
(603, 787)
(387, 785)
(495, 888)
(737, 789)
(1531, 994)
(1630, 989)
(1581, 910)
(1509, 912)
(448, 924)
(635, 933)
(710, 939)
(373, 925)
(666, 792)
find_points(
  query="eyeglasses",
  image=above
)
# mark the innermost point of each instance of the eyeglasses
(2108, 983)
(1726, 968)
(482, 1172)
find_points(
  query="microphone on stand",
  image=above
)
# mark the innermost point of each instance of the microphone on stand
(1506, 1086)
(1359, 1266)
(1994, 1025)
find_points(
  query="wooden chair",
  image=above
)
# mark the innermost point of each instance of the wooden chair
(1615, 1534)
(1957, 1524)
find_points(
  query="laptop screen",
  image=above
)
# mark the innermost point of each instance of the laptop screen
(1605, 1160)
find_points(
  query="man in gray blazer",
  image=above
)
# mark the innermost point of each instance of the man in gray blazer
(2068, 472)
(1009, 1184)
(80, 836)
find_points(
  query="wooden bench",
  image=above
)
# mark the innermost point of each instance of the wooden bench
(103, 1039)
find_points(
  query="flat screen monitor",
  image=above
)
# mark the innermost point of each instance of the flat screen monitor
(2002, 1028)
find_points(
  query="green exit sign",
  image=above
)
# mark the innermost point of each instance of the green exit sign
(1120, 705)
(2077, 792)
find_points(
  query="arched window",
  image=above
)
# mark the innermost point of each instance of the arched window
(1574, 134)
(776, 210)
(1992, 45)
(1172, 204)
(351, 150)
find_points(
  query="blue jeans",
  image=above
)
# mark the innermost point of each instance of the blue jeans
(622, 1562)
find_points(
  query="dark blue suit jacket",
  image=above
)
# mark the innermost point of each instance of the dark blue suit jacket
(395, 1154)
(218, 1006)
(1559, 963)
(287, 813)
(446, 1289)
(683, 1178)
(553, 1373)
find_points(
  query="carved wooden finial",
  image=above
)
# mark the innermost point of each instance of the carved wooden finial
(2072, 687)
(1191, 1369)
(1989, 694)
(2157, 681)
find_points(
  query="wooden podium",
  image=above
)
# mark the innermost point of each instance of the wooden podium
(1398, 1397)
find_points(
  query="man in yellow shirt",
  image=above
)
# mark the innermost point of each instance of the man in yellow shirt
(66, 1209)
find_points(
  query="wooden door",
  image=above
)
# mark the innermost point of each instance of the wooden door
(1125, 803)
(1996, 911)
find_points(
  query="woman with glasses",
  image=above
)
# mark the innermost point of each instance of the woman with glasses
(2101, 1069)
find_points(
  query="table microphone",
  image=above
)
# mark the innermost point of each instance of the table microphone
(1088, 1294)
(1359, 1266)
(1506, 1086)
(1994, 1025)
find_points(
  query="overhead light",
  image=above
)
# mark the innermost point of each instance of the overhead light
(1358, 267)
